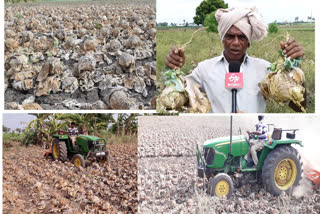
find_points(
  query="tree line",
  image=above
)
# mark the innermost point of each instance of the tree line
(44, 126)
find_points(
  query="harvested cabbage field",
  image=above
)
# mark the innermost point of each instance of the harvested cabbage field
(80, 55)
(33, 184)
(167, 179)
(207, 45)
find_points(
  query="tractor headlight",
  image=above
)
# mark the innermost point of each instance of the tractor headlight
(100, 154)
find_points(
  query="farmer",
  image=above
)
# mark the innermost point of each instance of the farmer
(73, 133)
(237, 29)
(261, 136)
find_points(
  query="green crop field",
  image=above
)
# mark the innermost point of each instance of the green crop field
(207, 45)
(17, 137)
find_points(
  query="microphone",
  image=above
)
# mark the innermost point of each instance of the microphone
(234, 80)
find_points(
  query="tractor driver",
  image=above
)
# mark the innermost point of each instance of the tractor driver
(260, 137)
(73, 133)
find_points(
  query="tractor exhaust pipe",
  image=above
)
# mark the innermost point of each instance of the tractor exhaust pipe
(230, 136)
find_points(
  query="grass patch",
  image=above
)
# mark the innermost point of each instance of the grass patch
(207, 45)
(114, 139)
(298, 25)
(12, 137)
(9, 139)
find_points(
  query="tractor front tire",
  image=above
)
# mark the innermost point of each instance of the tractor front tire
(282, 170)
(221, 185)
(102, 160)
(59, 150)
(78, 161)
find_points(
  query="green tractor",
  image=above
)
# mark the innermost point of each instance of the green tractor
(225, 163)
(85, 147)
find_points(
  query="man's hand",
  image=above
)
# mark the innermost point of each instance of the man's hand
(292, 49)
(175, 58)
(249, 133)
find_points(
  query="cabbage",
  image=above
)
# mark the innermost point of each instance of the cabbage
(182, 95)
(172, 99)
(285, 82)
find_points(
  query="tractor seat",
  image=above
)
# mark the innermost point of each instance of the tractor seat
(276, 134)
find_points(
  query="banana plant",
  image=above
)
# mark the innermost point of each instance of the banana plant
(45, 125)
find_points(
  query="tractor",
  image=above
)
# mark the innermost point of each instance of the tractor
(224, 162)
(85, 147)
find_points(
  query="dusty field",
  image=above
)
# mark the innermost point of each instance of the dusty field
(89, 56)
(167, 180)
(32, 184)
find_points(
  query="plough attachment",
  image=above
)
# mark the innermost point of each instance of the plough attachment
(48, 154)
(314, 176)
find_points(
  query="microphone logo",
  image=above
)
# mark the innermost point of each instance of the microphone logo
(234, 80)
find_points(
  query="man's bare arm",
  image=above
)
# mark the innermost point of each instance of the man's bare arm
(175, 58)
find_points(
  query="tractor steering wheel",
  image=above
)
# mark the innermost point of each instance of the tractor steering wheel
(251, 136)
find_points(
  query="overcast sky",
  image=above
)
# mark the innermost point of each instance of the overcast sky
(178, 10)
(14, 121)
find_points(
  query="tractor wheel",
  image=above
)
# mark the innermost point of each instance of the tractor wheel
(78, 161)
(59, 150)
(282, 170)
(221, 185)
(104, 159)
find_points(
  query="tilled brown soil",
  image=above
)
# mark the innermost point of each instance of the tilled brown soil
(167, 179)
(33, 184)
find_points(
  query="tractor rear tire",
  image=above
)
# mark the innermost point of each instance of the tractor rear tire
(78, 160)
(221, 185)
(59, 150)
(282, 170)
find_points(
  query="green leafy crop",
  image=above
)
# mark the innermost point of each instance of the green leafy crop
(172, 77)
(284, 63)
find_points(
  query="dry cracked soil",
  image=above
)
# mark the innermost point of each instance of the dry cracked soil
(80, 55)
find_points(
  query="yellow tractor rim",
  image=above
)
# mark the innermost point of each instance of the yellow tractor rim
(285, 174)
(222, 188)
(77, 162)
(55, 150)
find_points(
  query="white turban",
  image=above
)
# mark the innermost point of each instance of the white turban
(247, 20)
